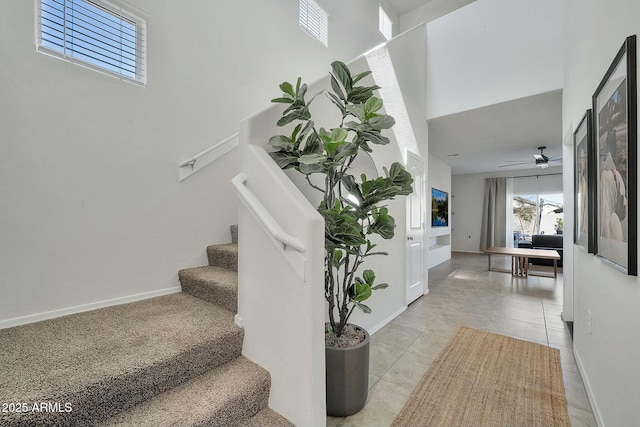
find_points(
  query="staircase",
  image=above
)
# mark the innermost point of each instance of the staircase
(168, 361)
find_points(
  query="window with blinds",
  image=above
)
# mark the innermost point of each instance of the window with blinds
(385, 25)
(96, 34)
(314, 20)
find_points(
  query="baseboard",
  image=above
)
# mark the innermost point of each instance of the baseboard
(468, 252)
(385, 321)
(32, 318)
(587, 386)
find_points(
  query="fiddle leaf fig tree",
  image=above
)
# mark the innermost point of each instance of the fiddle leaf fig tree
(353, 208)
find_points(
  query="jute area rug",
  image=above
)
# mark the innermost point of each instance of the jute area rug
(484, 379)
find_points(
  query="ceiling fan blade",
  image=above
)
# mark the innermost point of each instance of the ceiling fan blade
(514, 164)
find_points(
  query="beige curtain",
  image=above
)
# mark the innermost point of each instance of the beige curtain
(494, 214)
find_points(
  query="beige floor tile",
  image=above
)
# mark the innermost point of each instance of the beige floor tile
(381, 357)
(554, 320)
(408, 370)
(575, 391)
(395, 335)
(518, 329)
(515, 313)
(559, 337)
(373, 379)
(580, 418)
(552, 308)
(384, 403)
(429, 345)
(530, 305)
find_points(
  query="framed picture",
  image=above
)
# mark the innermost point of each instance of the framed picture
(615, 135)
(584, 184)
(439, 208)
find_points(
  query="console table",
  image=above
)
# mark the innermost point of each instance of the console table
(520, 259)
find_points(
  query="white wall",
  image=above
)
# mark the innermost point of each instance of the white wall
(91, 210)
(440, 178)
(468, 198)
(429, 11)
(492, 51)
(608, 356)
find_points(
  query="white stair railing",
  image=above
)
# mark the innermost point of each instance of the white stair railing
(280, 280)
(193, 164)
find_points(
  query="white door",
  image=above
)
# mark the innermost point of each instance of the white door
(415, 229)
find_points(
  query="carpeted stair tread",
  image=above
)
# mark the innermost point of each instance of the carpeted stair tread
(267, 418)
(216, 285)
(228, 395)
(108, 360)
(225, 256)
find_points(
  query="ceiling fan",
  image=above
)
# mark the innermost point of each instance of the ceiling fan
(541, 160)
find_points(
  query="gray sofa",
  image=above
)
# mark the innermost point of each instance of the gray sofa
(544, 241)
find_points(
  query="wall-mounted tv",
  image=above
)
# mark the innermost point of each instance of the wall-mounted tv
(439, 208)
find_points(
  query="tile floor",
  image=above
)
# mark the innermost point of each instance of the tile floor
(463, 292)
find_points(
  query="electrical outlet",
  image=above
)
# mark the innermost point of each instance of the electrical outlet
(589, 321)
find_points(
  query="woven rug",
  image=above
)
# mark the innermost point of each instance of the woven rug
(484, 379)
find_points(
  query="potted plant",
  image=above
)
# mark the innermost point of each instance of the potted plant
(354, 211)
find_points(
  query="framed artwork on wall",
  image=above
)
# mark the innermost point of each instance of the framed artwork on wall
(439, 208)
(615, 137)
(584, 185)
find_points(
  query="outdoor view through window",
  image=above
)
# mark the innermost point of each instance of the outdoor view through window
(537, 214)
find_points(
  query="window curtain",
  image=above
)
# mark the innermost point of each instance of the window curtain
(509, 213)
(494, 214)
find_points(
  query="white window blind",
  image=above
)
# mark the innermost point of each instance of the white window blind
(96, 34)
(385, 24)
(314, 20)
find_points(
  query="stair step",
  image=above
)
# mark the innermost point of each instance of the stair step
(234, 233)
(106, 361)
(224, 256)
(213, 284)
(268, 418)
(228, 395)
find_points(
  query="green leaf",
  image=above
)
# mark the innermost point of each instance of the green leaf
(281, 142)
(298, 114)
(342, 73)
(363, 307)
(372, 105)
(375, 137)
(382, 122)
(380, 286)
(336, 88)
(400, 178)
(284, 160)
(313, 168)
(283, 100)
(312, 145)
(369, 277)
(287, 88)
(337, 258)
(312, 159)
(362, 292)
(337, 103)
(360, 76)
(357, 110)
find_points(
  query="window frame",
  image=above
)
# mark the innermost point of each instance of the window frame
(303, 20)
(123, 12)
(383, 20)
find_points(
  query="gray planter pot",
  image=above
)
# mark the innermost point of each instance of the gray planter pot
(347, 373)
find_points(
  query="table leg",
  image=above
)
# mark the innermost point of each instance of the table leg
(555, 268)
(489, 262)
(526, 266)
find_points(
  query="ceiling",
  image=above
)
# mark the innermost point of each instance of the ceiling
(404, 6)
(490, 138)
(486, 139)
